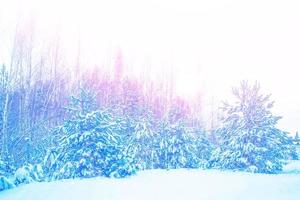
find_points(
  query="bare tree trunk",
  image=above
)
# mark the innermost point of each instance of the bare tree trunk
(5, 123)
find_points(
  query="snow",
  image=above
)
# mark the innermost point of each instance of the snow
(163, 184)
(292, 167)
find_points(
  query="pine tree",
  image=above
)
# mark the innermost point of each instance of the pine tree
(249, 139)
(142, 144)
(178, 147)
(92, 146)
(204, 147)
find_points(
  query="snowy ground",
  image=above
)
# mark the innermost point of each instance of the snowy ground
(173, 184)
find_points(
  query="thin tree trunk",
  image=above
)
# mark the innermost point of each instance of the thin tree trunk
(5, 124)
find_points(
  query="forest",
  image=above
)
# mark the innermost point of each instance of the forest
(57, 125)
(62, 119)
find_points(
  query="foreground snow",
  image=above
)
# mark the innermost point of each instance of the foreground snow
(160, 184)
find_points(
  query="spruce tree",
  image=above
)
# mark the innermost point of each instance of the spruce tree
(178, 147)
(142, 144)
(249, 138)
(92, 146)
(91, 142)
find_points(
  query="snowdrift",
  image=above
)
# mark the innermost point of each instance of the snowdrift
(163, 184)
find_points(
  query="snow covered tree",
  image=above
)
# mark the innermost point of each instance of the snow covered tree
(178, 147)
(249, 139)
(297, 139)
(204, 146)
(142, 144)
(92, 146)
(6, 169)
(293, 154)
(49, 161)
(5, 183)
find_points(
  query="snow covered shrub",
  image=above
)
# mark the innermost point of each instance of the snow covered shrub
(6, 169)
(5, 183)
(23, 175)
(178, 147)
(92, 145)
(249, 139)
(121, 166)
(37, 173)
(292, 150)
(49, 163)
(66, 171)
(294, 155)
(29, 173)
(297, 139)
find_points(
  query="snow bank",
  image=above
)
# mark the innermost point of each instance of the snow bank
(293, 167)
(161, 184)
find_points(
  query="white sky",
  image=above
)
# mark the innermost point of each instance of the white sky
(208, 45)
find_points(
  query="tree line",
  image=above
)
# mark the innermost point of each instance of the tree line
(73, 123)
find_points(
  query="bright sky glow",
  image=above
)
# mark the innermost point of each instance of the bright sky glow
(208, 46)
